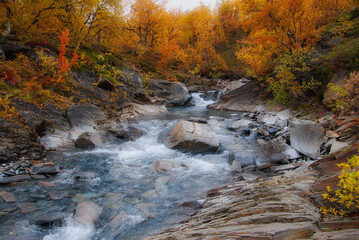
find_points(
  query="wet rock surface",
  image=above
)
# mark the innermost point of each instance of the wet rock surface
(193, 137)
(87, 212)
(274, 208)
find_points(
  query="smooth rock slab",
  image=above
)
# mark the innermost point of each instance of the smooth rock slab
(81, 115)
(192, 137)
(337, 146)
(87, 213)
(306, 137)
(13, 179)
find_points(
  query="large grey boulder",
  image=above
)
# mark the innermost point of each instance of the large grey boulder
(240, 125)
(306, 137)
(174, 92)
(87, 213)
(80, 115)
(192, 137)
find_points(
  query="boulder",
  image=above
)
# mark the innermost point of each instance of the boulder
(84, 141)
(337, 146)
(131, 77)
(331, 134)
(164, 166)
(241, 158)
(192, 137)
(285, 114)
(50, 219)
(129, 133)
(81, 115)
(306, 137)
(133, 110)
(274, 151)
(243, 99)
(87, 213)
(174, 92)
(106, 84)
(239, 125)
(270, 120)
(236, 167)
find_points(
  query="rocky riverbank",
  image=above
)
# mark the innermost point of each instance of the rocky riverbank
(284, 204)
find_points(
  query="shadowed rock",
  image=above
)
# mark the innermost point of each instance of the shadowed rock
(50, 219)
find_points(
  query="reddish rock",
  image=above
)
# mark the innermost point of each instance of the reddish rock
(27, 207)
(8, 197)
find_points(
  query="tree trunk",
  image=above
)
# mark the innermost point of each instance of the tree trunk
(9, 23)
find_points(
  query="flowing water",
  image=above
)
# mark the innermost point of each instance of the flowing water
(136, 201)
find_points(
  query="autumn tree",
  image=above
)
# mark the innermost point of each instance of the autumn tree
(145, 23)
(229, 15)
(201, 32)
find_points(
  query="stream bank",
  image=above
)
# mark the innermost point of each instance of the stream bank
(136, 186)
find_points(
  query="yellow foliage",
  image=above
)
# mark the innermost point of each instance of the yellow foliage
(347, 98)
(346, 197)
(7, 112)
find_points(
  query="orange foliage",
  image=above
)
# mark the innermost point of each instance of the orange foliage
(63, 64)
(279, 26)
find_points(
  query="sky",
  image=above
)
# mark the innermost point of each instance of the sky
(189, 4)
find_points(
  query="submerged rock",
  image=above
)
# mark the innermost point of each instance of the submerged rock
(192, 137)
(87, 213)
(8, 197)
(306, 137)
(164, 166)
(84, 176)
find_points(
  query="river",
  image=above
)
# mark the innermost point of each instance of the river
(136, 201)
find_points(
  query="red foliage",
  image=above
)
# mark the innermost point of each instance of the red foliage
(63, 64)
(9, 76)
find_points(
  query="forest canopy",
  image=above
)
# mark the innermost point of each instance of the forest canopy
(269, 39)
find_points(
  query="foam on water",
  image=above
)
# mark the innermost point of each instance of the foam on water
(198, 101)
(72, 231)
